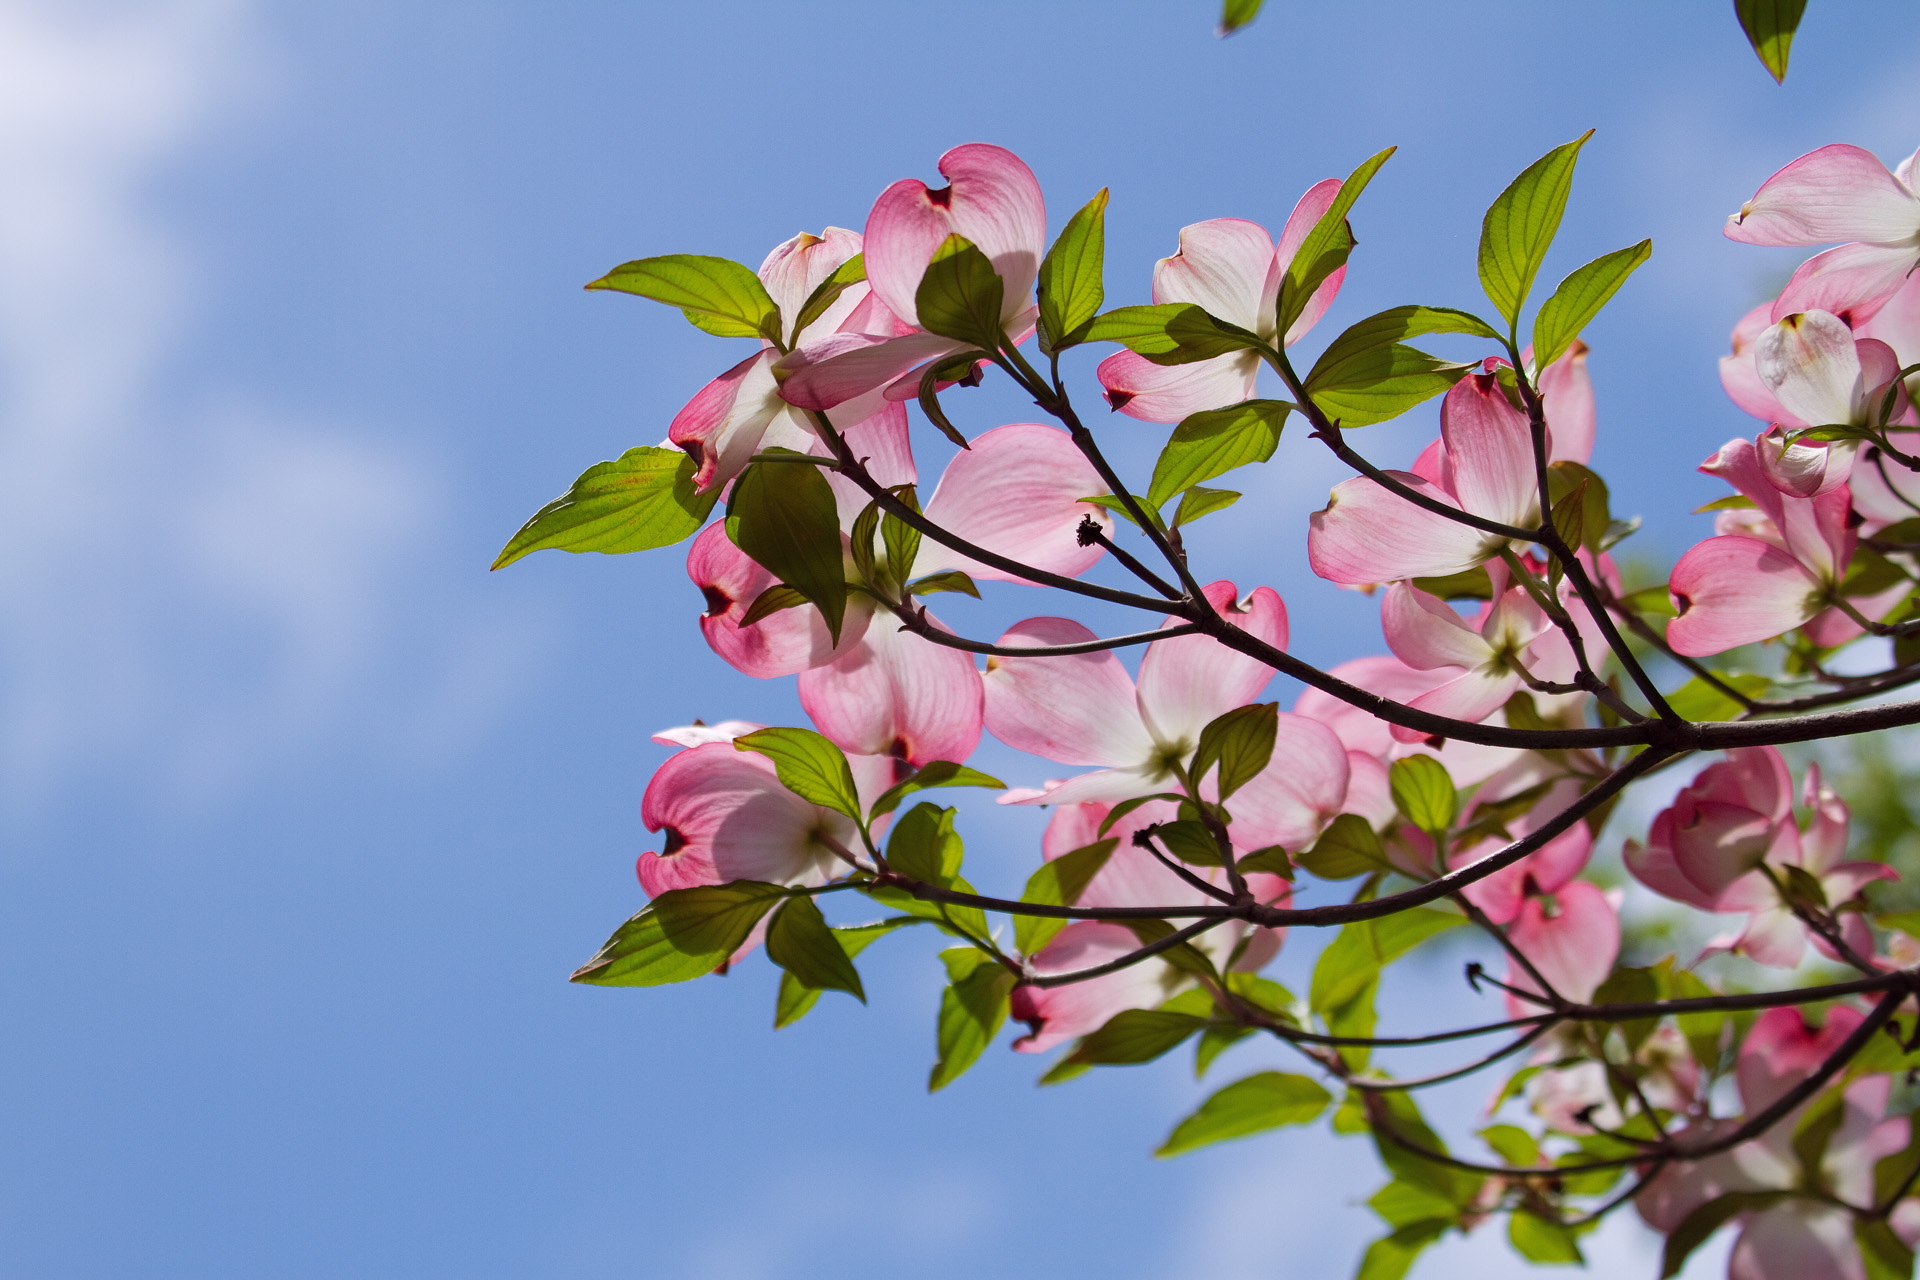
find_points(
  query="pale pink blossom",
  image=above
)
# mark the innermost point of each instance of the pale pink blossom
(1487, 660)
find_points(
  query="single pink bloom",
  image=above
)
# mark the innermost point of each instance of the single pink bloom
(1572, 936)
(1232, 269)
(1423, 631)
(1546, 870)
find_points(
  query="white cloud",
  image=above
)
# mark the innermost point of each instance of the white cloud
(185, 590)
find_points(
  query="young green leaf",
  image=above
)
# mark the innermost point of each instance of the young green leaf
(1520, 225)
(775, 598)
(1272, 859)
(1235, 14)
(1240, 742)
(1382, 383)
(929, 397)
(1395, 325)
(1347, 848)
(1213, 1042)
(1770, 25)
(1133, 1036)
(1058, 883)
(643, 499)
(1213, 442)
(1579, 299)
(785, 519)
(717, 294)
(1200, 501)
(799, 941)
(1885, 1255)
(1170, 333)
(901, 539)
(1391, 1257)
(938, 773)
(1360, 950)
(681, 934)
(1539, 1240)
(1071, 283)
(1699, 701)
(1595, 515)
(945, 580)
(1325, 249)
(1189, 841)
(809, 765)
(925, 847)
(847, 274)
(973, 1008)
(1404, 1203)
(1423, 793)
(1253, 1105)
(796, 998)
(960, 295)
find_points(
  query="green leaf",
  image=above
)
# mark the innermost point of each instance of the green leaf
(860, 543)
(809, 766)
(771, 601)
(1273, 859)
(1732, 502)
(901, 539)
(1885, 1254)
(1171, 333)
(1361, 949)
(1579, 299)
(785, 520)
(1770, 25)
(1133, 1036)
(828, 291)
(1235, 14)
(1382, 383)
(924, 846)
(1058, 883)
(1697, 1226)
(1189, 841)
(681, 934)
(1240, 742)
(1514, 1145)
(1391, 1257)
(973, 1008)
(1254, 1105)
(1347, 848)
(1403, 1204)
(717, 294)
(1200, 501)
(1814, 1130)
(1325, 249)
(1458, 1186)
(799, 941)
(1595, 515)
(945, 580)
(938, 773)
(1070, 282)
(1423, 793)
(643, 499)
(1117, 505)
(1697, 700)
(796, 998)
(1538, 1240)
(960, 295)
(1520, 225)
(1468, 584)
(1213, 1042)
(1214, 442)
(1394, 325)
(930, 404)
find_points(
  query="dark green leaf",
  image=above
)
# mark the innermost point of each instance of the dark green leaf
(1700, 701)
(1520, 225)
(1885, 1254)
(1382, 383)
(681, 934)
(1391, 1257)
(1200, 501)
(945, 580)
(1538, 1240)
(1070, 282)
(1389, 327)
(1213, 1042)
(1273, 860)
(1253, 1105)
(1595, 516)
(828, 291)
(796, 998)
(960, 295)
(1770, 25)
(930, 405)
(1347, 848)
(1579, 299)
(1235, 14)
(860, 543)
(1423, 793)
(1126, 807)
(809, 766)
(1190, 842)
(938, 773)
(644, 499)
(1171, 333)
(799, 941)
(717, 294)
(785, 519)
(1240, 742)
(901, 539)
(771, 601)
(1117, 505)
(1214, 442)
(1695, 1229)
(973, 1008)
(925, 847)
(1058, 883)
(1468, 584)
(1325, 248)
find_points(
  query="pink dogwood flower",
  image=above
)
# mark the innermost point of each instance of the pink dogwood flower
(1232, 269)
(1491, 658)
(1084, 709)
(1837, 193)
(1806, 1234)
(993, 200)
(1482, 464)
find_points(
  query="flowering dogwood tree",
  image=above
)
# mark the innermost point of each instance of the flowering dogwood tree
(1458, 780)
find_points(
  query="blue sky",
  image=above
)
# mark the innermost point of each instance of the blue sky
(305, 817)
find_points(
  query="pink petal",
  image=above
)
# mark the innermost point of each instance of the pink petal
(1076, 710)
(780, 644)
(798, 266)
(1299, 791)
(1796, 1240)
(846, 367)
(1807, 360)
(897, 694)
(1742, 381)
(1058, 1014)
(1839, 192)
(1852, 281)
(992, 199)
(1574, 948)
(1188, 680)
(698, 735)
(1222, 266)
(728, 818)
(1102, 786)
(1489, 451)
(1567, 392)
(1733, 591)
(1369, 791)
(1471, 696)
(1132, 877)
(1139, 388)
(1782, 1049)
(882, 441)
(1896, 323)
(722, 425)
(1424, 632)
(1367, 534)
(1803, 469)
(1016, 492)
